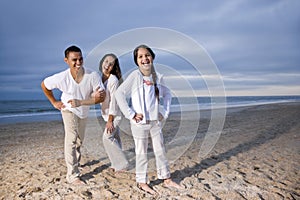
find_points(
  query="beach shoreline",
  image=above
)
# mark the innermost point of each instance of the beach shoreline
(256, 157)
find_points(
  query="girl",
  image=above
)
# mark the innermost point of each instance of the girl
(111, 77)
(145, 86)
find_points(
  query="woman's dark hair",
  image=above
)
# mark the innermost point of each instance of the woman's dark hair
(153, 72)
(116, 70)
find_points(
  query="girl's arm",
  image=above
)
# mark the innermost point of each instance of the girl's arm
(167, 97)
(124, 91)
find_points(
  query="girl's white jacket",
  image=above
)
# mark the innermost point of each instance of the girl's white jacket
(133, 88)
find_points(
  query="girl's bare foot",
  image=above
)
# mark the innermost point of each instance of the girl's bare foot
(77, 181)
(145, 187)
(171, 184)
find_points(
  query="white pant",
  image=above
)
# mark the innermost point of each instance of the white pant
(113, 147)
(74, 135)
(140, 134)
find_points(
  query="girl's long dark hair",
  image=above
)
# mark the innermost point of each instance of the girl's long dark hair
(116, 70)
(153, 72)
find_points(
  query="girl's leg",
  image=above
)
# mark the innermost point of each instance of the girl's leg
(163, 171)
(140, 136)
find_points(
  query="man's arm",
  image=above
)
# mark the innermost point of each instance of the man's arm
(96, 97)
(49, 94)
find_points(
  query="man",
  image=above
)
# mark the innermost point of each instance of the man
(80, 88)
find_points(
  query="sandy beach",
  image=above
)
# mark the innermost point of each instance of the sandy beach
(256, 157)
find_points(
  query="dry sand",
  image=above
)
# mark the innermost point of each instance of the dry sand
(256, 157)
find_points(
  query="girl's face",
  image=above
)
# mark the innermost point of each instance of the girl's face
(107, 65)
(144, 61)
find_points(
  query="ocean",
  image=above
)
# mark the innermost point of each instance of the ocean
(41, 110)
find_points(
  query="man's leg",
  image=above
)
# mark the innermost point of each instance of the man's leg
(81, 132)
(71, 133)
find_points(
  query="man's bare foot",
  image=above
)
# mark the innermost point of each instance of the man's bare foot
(171, 184)
(77, 181)
(145, 187)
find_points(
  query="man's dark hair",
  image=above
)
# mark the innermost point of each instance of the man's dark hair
(72, 49)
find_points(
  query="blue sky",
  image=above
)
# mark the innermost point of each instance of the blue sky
(255, 45)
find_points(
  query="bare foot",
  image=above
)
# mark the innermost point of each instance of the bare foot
(121, 171)
(77, 181)
(84, 168)
(171, 184)
(145, 187)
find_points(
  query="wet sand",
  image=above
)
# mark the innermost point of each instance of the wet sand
(256, 157)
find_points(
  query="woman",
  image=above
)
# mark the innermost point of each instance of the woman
(111, 77)
(145, 87)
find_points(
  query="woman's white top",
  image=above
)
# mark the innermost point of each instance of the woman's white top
(109, 105)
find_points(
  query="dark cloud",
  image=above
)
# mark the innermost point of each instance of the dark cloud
(249, 38)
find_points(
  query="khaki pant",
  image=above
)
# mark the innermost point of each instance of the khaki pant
(74, 135)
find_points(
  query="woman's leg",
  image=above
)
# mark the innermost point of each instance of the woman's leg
(112, 145)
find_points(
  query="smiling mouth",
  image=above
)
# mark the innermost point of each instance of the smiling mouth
(146, 64)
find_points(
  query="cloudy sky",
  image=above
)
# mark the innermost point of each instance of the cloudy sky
(253, 45)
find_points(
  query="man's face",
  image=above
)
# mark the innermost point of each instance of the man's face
(75, 61)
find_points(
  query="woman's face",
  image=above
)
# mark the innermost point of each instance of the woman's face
(144, 61)
(108, 65)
